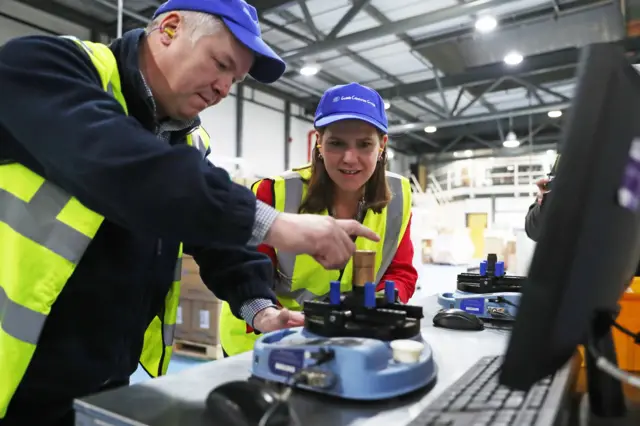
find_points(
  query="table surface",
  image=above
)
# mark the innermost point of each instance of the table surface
(179, 399)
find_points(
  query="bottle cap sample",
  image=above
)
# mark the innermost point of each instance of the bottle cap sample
(364, 262)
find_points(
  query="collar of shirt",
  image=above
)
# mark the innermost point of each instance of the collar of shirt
(137, 92)
(165, 127)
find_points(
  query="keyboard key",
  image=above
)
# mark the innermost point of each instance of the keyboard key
(527, 418)
(477, 399)
(514, 401)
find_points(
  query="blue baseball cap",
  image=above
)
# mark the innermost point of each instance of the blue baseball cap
(351, 101)
(242, 20)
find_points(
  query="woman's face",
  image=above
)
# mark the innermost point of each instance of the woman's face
(351, 150)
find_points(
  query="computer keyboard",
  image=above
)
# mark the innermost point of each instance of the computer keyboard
(477, 399)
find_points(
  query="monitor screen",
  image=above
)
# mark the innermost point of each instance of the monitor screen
(589, 245)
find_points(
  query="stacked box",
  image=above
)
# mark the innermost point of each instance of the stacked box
(199, 309)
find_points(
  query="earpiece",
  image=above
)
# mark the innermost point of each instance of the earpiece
(170, 32)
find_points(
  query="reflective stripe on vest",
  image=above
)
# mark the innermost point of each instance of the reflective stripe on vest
(44, 232)
(18, 321)
(36, 220)
(312, 280)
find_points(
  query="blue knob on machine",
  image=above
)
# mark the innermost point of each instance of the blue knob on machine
(390, 291)
(334, 293)
(499, 269)
(369, 295)
(483, 268)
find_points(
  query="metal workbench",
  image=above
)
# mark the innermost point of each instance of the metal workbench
(179, 399)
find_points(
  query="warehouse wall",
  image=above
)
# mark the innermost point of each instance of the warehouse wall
(263, 133)
(502, 212)
(400, 163)
(17, 19)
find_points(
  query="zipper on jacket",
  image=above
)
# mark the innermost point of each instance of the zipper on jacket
(159, 247)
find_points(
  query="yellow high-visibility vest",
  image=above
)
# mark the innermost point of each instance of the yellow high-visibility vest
(44, 232)
(301, 278)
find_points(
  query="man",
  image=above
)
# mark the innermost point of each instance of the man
(103, 185)
(532, 221)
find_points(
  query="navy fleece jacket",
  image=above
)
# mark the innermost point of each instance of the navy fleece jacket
(56, 120)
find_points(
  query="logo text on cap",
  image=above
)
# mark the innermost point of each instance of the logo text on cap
(353, 98)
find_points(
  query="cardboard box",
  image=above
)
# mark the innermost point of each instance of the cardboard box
(495, 245)
(205, 319)
(191, 286)
(427, 250)
(510, 260)
(184, 320)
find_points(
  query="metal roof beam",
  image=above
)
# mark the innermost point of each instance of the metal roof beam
(540, 144)
(269, 6)
(486, 74)
(354, 56)
(516, 19)
(348, 17)
(461, 121)
(67, 13)
(490, 130)
(396, 27)
(130, 22)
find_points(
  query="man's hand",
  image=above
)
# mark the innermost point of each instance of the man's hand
(271, 319)
(542, 183)
(326, 239)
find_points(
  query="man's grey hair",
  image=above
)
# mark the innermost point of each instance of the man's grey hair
(196, 24)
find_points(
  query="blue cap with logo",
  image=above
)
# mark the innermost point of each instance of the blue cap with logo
(242, 20)
(351, 101)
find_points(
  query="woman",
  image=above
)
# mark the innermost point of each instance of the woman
(346, 179)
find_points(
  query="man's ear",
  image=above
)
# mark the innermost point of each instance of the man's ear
(169, 27)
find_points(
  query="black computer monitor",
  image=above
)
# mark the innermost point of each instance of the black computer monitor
(589, 246)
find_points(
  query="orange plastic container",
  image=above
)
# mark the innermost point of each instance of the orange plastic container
(628, 352)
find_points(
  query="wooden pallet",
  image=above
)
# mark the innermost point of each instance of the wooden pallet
(197, 350)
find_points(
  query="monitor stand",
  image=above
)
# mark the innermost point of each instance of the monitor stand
(606, 397)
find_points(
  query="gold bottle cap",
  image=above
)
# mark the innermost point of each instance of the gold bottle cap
(364, 259)
(364, 262)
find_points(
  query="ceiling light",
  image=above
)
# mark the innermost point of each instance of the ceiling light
(456, 154)
(387, 105)
(309, 69)
(486, 24)
(554, 114)
(511, 141)
(430, 129)
(468, 153)
(513, 58)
